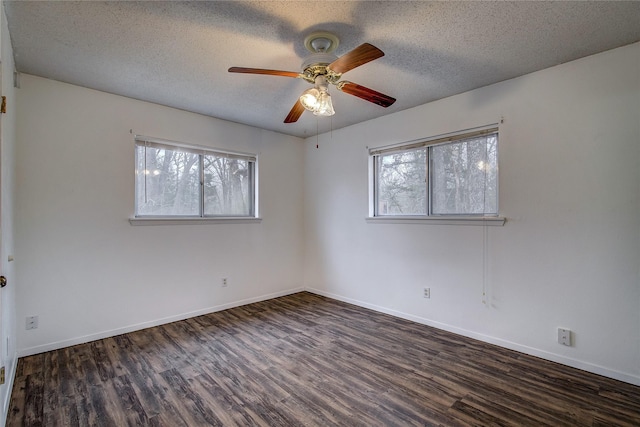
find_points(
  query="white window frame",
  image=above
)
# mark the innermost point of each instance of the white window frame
(202, 218)
(429, 217)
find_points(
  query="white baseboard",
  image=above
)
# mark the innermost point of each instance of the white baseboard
(132, 328)
(574, 363)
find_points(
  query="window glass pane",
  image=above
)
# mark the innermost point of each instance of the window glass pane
(464, 177)
(401, 183)
(227, 184)
(167, 182)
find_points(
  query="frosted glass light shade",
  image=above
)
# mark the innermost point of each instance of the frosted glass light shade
(310, 99)
(324, 107)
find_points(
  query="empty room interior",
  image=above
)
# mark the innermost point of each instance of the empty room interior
(320, 213)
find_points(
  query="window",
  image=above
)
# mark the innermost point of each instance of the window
(175, 180)
(456, 175)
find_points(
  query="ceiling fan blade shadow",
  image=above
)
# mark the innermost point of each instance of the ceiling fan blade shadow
(366, 93)
(295, 113)
(263, 71)
(361, 55)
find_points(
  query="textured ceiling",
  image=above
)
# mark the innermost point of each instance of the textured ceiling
(178, 53)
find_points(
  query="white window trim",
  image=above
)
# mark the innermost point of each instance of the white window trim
(188, 220)
(492, 220)
(439, 220)
(194, 221)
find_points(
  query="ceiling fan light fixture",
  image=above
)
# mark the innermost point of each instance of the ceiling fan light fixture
(325, 107)
(310, 99)
(318, 101)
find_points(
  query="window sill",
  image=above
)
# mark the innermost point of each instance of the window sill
(439, 220)
(191, 221)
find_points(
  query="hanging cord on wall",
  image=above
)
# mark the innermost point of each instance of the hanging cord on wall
(317, 131)
(485, 225)
(485, 260)
(485, 230)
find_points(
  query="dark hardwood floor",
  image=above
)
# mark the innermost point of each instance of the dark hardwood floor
(305, 360)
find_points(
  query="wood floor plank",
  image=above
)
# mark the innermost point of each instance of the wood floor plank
(34, 399)
(306, 360)
(131, 405)
(16, 416)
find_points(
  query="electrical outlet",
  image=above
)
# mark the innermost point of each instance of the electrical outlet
(427, 292)
(564, 336)
(32, 322)
(224, 282)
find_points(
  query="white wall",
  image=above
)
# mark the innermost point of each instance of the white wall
(85, 271)
(8, 356)
(569, 253)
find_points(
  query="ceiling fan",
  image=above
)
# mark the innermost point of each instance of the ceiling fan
(322, 68)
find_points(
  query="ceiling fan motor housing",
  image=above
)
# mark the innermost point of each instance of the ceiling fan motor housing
(321, 44)
(316, 64)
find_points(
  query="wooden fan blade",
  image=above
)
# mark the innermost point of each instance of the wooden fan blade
(366, 93)
(358, 56)
(263, 71)
(295, 113)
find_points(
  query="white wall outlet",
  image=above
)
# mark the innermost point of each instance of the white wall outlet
(31, 322)
(427, 293)
(224, 282)
(564, 336)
